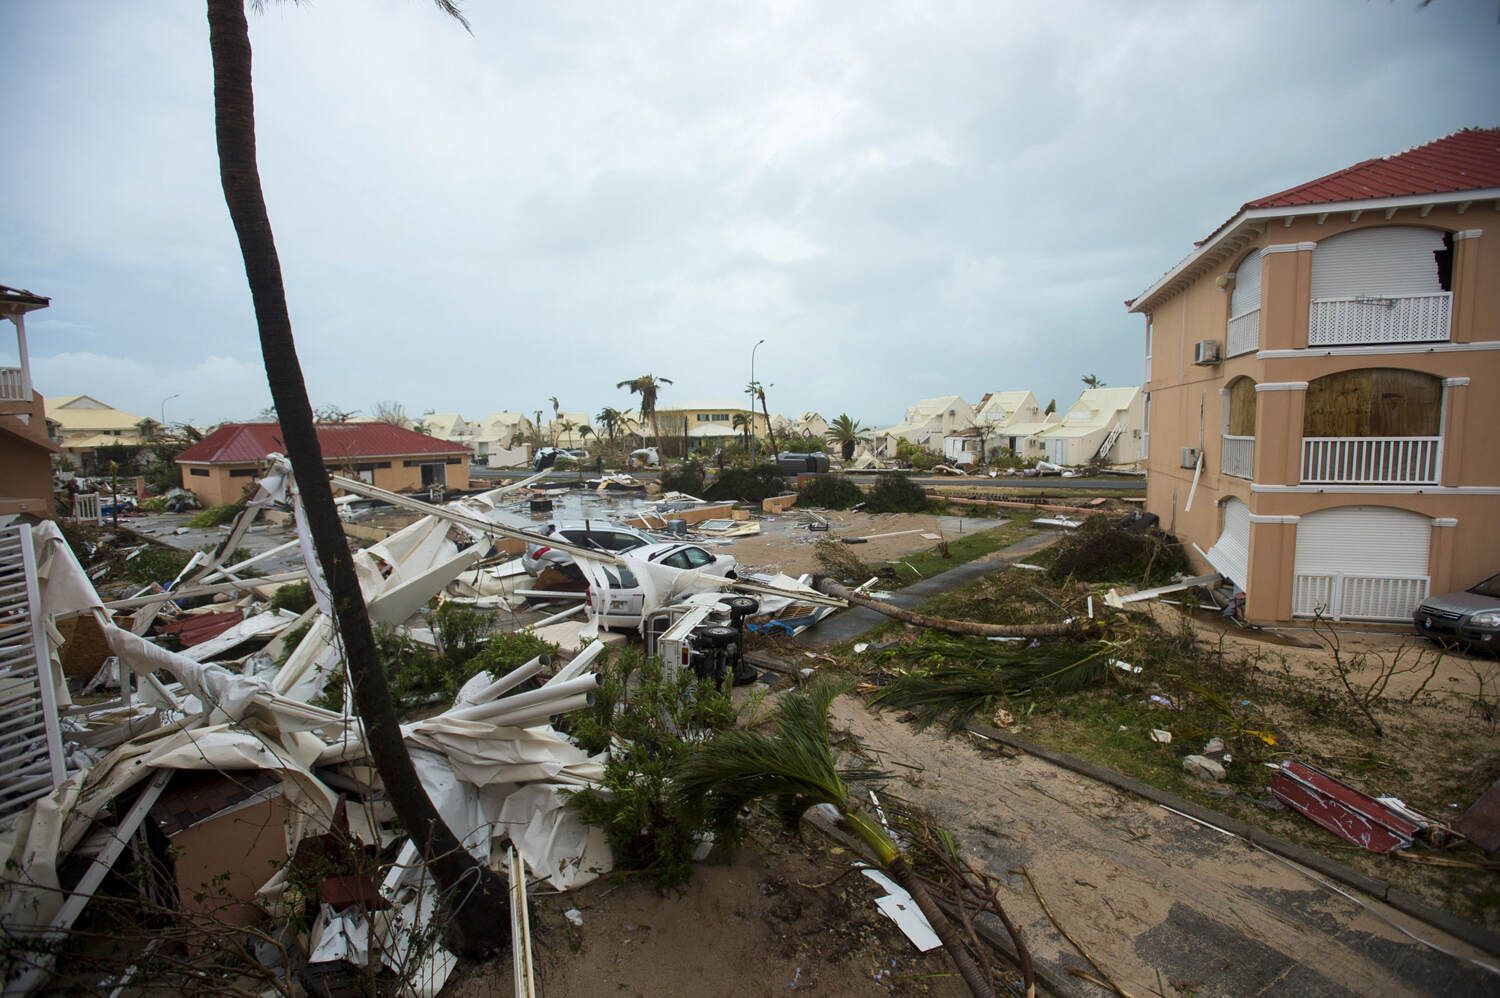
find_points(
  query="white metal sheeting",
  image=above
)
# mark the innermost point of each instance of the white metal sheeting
(1230, 555)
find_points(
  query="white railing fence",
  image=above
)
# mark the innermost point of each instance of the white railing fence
(1371, 460)
(1238, 456)
(1357, 597)
(30, 739)
(1368, 319)
(1243, 334)
(12, 385)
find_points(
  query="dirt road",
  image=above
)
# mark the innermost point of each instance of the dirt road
(1148, 892)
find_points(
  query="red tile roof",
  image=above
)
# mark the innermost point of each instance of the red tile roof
(1464, 161)
(241, 442)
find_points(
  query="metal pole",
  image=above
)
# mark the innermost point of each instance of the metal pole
(751, 392)
(164, 402)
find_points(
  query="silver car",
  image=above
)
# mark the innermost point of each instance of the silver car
(602, 535)
(1470, 616)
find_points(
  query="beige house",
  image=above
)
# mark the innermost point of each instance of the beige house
(499, 440)
(1323, 376)
(1016, 421)
(1105, 424)
(85, 423)
(220, 468)
(25, 450)
(707, 420)
(925, 424)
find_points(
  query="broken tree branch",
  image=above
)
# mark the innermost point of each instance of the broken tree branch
(1067, 628)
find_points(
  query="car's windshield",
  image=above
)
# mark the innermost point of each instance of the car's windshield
(1489, 587)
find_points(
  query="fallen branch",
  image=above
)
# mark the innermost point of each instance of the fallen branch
(831, 588)
(1108, 981)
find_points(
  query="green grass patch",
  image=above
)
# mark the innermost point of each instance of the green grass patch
(960, 550)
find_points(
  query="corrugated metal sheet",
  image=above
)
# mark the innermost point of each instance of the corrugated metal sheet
(1230, 555)
(1389, 260)
(1464, 161)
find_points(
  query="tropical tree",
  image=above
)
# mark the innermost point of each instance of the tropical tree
(610, 419)
(556, 418)
(647, 386)
(793, 770)
(1092, 381)
(1051, 408)
(472, 892)
(847, 433)
(759, 392)
(744, 422)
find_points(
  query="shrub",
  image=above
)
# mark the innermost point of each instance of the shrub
(1099, 551)
(748, 484)
(156, 564)
(829, 492)
(294, 596)
(686, 477)
(215, 516)
(649, 735)
(896, 493)
(917, 457)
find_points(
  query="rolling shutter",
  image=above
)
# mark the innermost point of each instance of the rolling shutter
(1246, 294)
(1230, 555)
(1390, 260)
(1361, 562)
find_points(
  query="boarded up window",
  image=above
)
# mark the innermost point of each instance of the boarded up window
(1375, 402)
(1241, 408)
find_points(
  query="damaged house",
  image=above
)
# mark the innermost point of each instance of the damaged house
(1323, 379)
(218, 468)
(25, 450)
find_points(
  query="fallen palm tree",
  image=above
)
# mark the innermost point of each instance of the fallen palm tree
(1067, 628)
(792, 770)
(956, 692)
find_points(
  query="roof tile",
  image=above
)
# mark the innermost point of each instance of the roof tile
(239, 442)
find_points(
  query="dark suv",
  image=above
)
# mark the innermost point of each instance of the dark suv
(1470, 617)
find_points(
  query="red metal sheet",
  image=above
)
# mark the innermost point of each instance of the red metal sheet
(198, 628)
(1342, 810)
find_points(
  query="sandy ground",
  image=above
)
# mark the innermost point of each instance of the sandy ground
(1146, 891)
(781, 918)
(785, 544)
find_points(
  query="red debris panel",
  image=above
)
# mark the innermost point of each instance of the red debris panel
(1481, 822)
(1351, 815)
(198, 628)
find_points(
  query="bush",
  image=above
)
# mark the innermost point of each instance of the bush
(649, 829)
(896, 493)
(294, 596)
(917, 457)
(215, 516)
(1099, 551)
(156, 564)
(829, 492)
(686, 477)
(748, 484)
(418, 675)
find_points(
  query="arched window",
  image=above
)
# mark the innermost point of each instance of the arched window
(1374, 402)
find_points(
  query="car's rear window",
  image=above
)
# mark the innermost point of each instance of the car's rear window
(1489, 587)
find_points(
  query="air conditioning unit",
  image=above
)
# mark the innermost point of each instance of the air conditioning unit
(1190, 457)
(1206, 352)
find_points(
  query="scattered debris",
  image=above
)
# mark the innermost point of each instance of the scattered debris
(1203, 768)
(1161, 737)
(1346, 812)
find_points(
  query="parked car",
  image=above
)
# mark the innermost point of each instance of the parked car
(605, 535)
(1470, 617)
(682, 555)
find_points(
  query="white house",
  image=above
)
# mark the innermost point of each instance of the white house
(926, 424)
(1107, 423)
(1017, 422)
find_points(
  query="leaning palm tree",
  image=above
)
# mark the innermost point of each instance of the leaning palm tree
(647, 386)
(847, 433)
(793, 770)
(472, 891)
(756, 389)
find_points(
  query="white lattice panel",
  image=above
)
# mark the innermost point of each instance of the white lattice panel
(30, 742)
(1373, 320)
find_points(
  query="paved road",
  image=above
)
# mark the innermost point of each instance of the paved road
(1109, 484)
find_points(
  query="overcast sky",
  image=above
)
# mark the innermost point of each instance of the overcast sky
(904, 199)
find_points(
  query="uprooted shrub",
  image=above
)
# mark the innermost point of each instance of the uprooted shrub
(1099, 551)
(747, 484)
(648, 734)
(896, 493)
(418, 675)
(686, 477)
(839, 561)
(215, 516)
(829, 492)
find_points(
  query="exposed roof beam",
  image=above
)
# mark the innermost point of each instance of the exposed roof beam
(1388, 213)
(1354, 217)
(1425, 209)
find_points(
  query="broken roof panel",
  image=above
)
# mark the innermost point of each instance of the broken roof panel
(238, 442)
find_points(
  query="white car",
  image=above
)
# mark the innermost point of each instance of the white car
(626, 600)
(685, 555)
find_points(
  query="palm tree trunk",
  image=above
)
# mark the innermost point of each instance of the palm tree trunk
(979, 985)
(770, 430)
(831, 588)
(472, 889)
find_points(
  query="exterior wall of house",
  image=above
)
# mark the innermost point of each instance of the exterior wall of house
(1189, 407)
(217, 484)
(26, 479)
(675, 421)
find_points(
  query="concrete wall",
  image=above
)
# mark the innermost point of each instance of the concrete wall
(1188, 404)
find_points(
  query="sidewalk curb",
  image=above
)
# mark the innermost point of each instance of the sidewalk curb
(1397, 898)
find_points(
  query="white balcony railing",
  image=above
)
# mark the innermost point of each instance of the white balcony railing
(1371, 460)
(1238, 456)
(1243, 334)
(1370, 319)
(1357, 597)
(12, 385)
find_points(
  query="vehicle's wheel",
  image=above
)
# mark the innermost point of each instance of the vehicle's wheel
(716, 637)
(741, 606)
(731, 576)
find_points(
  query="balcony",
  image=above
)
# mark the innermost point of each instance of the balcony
(1237, 457)
(1243, 334)
(1358, 597)
(1371, 460)
(12, 385)
(1366, 320)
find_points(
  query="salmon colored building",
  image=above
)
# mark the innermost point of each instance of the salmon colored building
(25, 449)
(1323, 379)
(218, 468)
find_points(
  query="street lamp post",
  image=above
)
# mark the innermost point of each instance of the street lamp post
(751, 392)
(175, 395)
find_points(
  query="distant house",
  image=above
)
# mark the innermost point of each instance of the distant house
(1105, 423)
(25, 450)
(219, 467)
(925, 424)
(566, 430)
(1017, 422)
(446, 426)
(85, 423)
(706, 420)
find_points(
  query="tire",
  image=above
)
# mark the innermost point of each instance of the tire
(741, 606)
(716, 637)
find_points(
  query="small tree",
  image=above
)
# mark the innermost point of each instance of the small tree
(847, 433)
(1092, 381)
